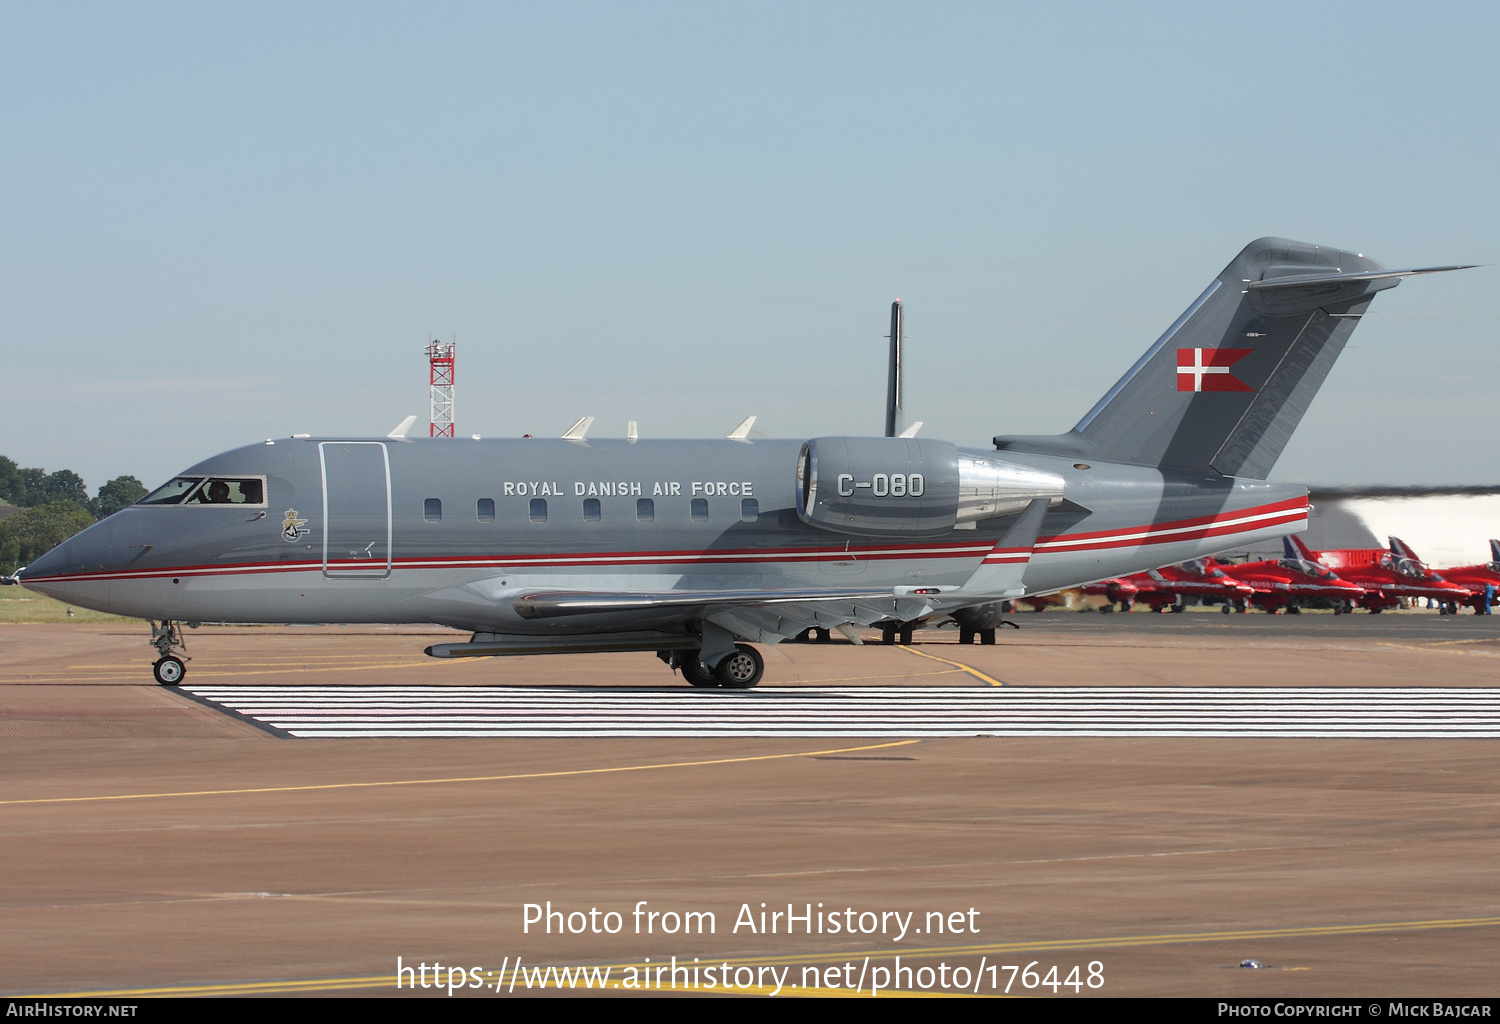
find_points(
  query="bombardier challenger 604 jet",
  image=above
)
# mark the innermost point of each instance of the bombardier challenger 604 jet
(692, 548)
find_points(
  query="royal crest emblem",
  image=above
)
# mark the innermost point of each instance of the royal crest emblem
(292, 528)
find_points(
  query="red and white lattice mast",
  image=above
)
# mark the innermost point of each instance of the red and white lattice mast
(441, 356)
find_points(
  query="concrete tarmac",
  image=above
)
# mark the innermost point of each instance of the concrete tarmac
(153, 845)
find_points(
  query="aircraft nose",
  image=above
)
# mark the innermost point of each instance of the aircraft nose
(84, 552)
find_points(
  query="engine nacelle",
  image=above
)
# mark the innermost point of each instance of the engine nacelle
(899, 485)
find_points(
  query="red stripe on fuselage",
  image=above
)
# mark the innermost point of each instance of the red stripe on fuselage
(1220, 524)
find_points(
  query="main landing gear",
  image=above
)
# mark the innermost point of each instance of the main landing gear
(739, 670)
(166, 638)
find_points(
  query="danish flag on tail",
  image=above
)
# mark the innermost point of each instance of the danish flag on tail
(1207, 369)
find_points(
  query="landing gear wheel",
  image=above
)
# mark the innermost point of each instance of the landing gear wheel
(169, 670)
(906, 634)
(694, 672)
(1225, 608)
(888, 634)
(986, 636)
(824, 637)
(965, 636)
(742, 669)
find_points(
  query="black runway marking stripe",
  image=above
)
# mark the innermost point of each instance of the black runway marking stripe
(859, 712)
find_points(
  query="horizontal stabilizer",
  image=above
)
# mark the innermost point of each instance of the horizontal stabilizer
(1303, 280)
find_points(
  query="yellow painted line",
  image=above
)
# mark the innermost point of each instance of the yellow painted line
(881, 957)
(897, 675)
(1134, 941)
(958, 665)
(440, 782)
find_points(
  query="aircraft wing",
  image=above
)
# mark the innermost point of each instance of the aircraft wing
(764, 615)
(549, 604)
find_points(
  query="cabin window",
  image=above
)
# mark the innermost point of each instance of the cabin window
(749, 510)
(645, 510)
(538, 510)
(700, 510)
(590, 510)
(432, 510)
(486, 510)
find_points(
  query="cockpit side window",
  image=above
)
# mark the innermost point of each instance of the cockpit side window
(172, 492)
(224, 490)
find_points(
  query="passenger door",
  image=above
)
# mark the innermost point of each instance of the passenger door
(356, 509)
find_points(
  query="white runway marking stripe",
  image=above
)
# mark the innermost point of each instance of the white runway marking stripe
(437, 711)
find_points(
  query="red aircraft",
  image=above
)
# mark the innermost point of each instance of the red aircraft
(1285, 582)
(1385, 578)
(1169, 587)
(1482, 581)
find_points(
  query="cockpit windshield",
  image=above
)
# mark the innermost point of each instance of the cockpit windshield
(196, 490)
(1307, 568)
(171, 493)
(229, 491)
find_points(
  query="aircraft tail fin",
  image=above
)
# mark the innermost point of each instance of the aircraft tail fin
(1401, 549)
(1290, 548)
(1297, 548)
(1494, 550)
(1225, 386)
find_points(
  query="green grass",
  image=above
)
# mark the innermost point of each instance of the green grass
(18, 605)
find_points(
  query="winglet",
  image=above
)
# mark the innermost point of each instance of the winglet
(1004, 567)
(632, 432)
(579, 430)
(742, 432)
(399, 433)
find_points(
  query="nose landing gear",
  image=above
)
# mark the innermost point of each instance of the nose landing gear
(166, 638)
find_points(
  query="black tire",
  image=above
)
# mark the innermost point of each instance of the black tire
(906, 635)
(169, 671)
(694, 672)
(888, 633)
(742, 669)
(1225, 608)
(824, 637)
(987, 636)
(965, 635)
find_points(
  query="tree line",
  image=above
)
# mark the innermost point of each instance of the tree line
(52, 507)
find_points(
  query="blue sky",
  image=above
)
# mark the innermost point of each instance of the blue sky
(223, 223)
